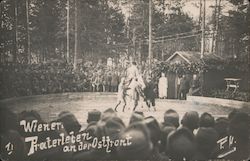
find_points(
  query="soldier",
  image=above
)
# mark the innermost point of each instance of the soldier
(184, 88)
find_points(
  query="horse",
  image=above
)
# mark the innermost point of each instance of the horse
(135, 90)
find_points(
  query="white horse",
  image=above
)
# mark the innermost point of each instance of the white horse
(135, 90)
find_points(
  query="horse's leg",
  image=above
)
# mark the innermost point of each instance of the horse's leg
(117, 105)
(125, 103)
(153, 103)
(135, 103)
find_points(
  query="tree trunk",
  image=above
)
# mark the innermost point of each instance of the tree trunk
(15, 48)
(67, 55)
(76, 37)
(2, 25)
(200, 17)
(28, 33)
(214, 26)
(150, 33)
(203, 29)
(217, 29)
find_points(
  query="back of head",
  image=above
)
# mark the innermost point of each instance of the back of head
(91, 129)
(221, 126)
(9, 120)
(135, 117)
(17, 143)
(69, 121)
(108, 113)
(111, 127)
(165, 131)
(140, 147)
(191, 120)
(206, 139)
(171, 117)
(181, 144)
(154, 129)
(239, 126)
(232, 113)
(94, 116)
(206, 120)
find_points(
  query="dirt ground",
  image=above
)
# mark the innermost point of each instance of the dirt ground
(49, 106)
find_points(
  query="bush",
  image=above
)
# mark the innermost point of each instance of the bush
(240, 96)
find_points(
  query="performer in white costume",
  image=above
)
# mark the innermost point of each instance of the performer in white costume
(121, 95)
(163, 86)
(132, 72)
(135, 84)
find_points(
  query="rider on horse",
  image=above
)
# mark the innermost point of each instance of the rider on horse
(134, 83)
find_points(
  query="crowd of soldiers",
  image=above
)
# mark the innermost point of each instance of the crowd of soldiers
(36, 79)
(192, 137)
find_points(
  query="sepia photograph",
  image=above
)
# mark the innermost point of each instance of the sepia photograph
(125, 80)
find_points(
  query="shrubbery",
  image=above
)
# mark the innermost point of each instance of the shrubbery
(240, 96)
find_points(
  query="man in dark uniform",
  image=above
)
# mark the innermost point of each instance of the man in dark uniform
(184, 88)
(150, 93)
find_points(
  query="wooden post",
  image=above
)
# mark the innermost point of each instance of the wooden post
(162, 49)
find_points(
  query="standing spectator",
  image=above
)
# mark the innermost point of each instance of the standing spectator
(98, 82)
(93, 84)
(195, 86)
(114, 82)
(109, 81)
(105, 82)
(109, 63)
(184, 88)
(163, 86)
(149, 92)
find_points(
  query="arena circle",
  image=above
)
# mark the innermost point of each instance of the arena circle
(49, 106)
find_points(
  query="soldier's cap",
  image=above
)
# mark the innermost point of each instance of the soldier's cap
(94, 115)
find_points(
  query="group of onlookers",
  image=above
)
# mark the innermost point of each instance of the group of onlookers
(36, 79)
(192, 137)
